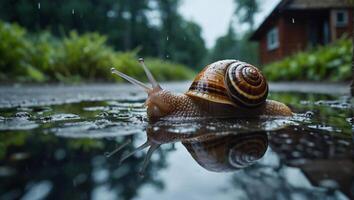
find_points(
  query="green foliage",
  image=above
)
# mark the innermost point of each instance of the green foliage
(162, 70)
(234, 45)
(13, 47)
(43, 51)
(332, 62)
(225, 46)
(85, 55)
(7, 140)
(42, 57)
(169, 71)
(127, 24)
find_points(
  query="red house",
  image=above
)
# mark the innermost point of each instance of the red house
(295, 25)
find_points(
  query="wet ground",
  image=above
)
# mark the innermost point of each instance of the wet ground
(94, 142)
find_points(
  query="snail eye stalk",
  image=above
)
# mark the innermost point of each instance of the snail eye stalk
(147, 158)
(141, 147)
(151, 78)
(148, 89)
(109, 154)
(132, 80)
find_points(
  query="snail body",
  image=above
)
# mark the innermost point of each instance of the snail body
(226, 88)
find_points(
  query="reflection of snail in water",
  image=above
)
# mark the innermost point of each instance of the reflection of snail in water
(230, 152)
(216, 151)
(226, 88)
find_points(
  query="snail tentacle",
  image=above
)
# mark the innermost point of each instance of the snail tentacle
(154, 83)
(152, 80)
(147, 158)
(143, 146)
(118, 149)
(132, 80)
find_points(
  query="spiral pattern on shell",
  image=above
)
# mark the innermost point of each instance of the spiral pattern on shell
(230, 82)
(231, 152)
(248, 150)
(246, 85)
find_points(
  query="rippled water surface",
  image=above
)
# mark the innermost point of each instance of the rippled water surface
(95, 143)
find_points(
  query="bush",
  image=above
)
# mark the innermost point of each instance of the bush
(332, 62)
(14, 60)
(42, 57)
(43, 54)
(162, 70)
(86, 56)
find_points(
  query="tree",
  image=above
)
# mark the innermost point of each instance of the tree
(126, 24)
(232, 46)
(226, 46)
(181, 39)
(246, 10)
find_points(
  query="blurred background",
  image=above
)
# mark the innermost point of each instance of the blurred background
(80, 40)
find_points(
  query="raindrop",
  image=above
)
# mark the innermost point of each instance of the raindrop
(167, 38)
(73, 11)
(39, 5)
(293, 20)
(24, 115)
(167, 56)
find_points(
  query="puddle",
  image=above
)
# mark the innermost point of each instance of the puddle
(105, 148)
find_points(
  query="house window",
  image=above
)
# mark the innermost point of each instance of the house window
(273, 39)
(341, 18)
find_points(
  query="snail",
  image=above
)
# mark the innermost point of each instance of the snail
(219, 150)
(226, 88)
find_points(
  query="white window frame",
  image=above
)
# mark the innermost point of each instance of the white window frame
(345, 18)
(273, 39)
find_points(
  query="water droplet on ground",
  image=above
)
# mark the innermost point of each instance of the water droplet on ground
(23, 115)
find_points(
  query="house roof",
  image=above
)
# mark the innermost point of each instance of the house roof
(284, 5)
(318, 4)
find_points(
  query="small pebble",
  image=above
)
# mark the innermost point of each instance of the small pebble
(309, 114)
(25, 115)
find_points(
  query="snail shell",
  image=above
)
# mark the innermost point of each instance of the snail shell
(230, 82)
